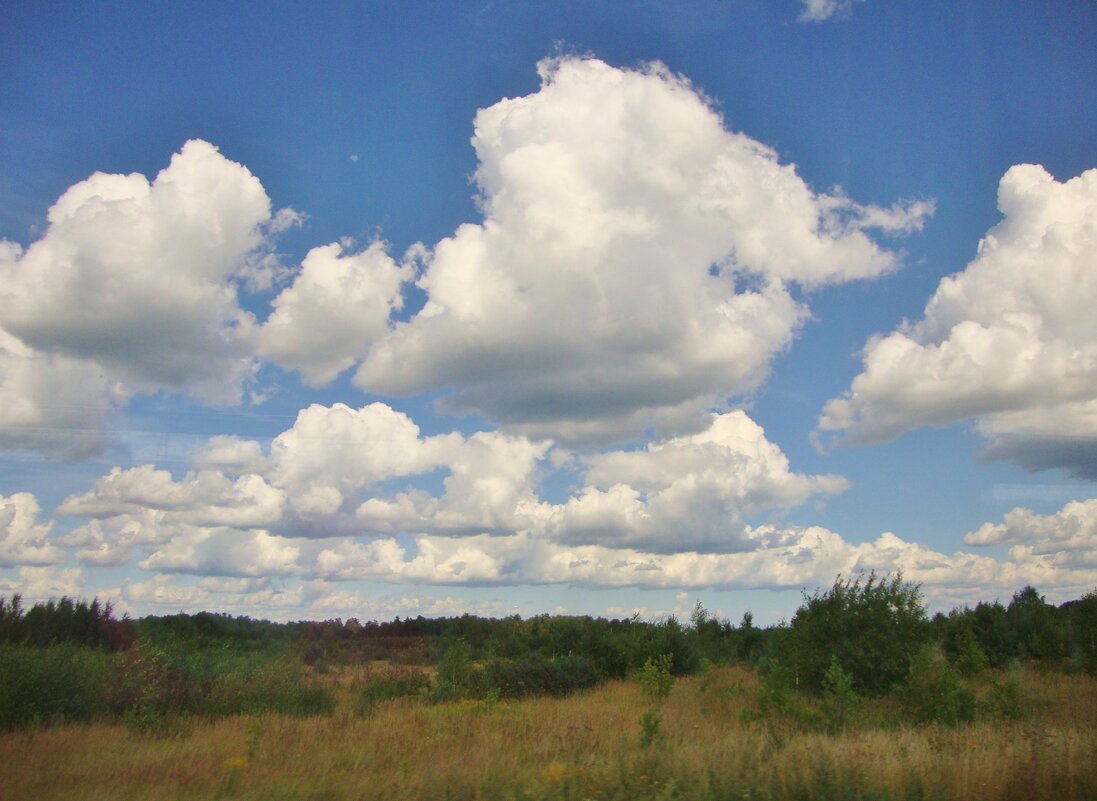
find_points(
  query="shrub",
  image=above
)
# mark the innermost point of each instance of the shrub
(1082, 616)
(538, 675)
(781, 710)
(992, 630)
(393, 683)
(454, 672)
(873, 628)
(50, 685)
(667, 637)
(650, 722)
(280, 687)
(934, 692)
(1036, 630)
(142, 679)
(970, 658)
(840, 701)
(1004, 700)
(656, 678)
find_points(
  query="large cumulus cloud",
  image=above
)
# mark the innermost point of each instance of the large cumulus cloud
(1010, 341)
(134, 275)
(131, 288)
(632, 267)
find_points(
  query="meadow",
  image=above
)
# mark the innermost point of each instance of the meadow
(860, 696)
(587, 745)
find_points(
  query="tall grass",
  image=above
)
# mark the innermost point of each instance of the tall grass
(583, 746)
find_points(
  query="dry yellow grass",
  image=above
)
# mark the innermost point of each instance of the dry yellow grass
(583, 747)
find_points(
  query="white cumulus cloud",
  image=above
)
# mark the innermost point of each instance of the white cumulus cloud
(632, 265)
(1011, 341)
(338, 303)
(51, 403)
(23, 539)
(688, 493)
(1068, 536)
(135, 275)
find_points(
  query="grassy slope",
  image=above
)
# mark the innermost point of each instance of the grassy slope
(583, 747)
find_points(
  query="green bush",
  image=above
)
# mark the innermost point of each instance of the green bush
(650, 723)
(970, 658)
(872, 627)
(840, 700)
(280, 687)
(537, 675)
(780, 709)
(666, 637)
(454, 672)
(934, 692)
(51, 685)
(1082, 617)
(393, 683)
(655, 677)
(1004, 700)
(1038, 632)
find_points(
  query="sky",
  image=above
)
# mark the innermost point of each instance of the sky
(377, 309)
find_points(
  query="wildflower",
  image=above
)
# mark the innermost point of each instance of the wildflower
(555, 772)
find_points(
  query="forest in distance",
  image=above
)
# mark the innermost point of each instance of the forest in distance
(860, 661)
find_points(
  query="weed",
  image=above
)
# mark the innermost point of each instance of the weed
(649, 727)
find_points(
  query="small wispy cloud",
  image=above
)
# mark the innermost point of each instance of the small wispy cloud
(823, 10)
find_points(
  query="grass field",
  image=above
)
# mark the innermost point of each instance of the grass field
(586, 746)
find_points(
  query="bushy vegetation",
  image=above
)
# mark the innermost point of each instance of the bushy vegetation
(864, 638)
(871, 628)
(989, 703)
(60, 684)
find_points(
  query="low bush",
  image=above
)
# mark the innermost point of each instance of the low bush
(873, 626)
(393, 683)
(1003, 700)
(934, 692)
(537, 675)
(840, 702)
(280, 687)
(141, 679)
(60, 684)
(655, 677)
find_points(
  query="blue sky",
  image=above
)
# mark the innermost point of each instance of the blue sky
(370, 309)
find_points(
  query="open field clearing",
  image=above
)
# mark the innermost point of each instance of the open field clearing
(585, 746)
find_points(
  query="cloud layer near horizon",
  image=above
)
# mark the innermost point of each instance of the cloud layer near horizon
(310, 529)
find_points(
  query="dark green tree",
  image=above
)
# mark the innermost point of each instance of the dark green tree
(1035, 626)
(992, 630)
(1082, 631)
